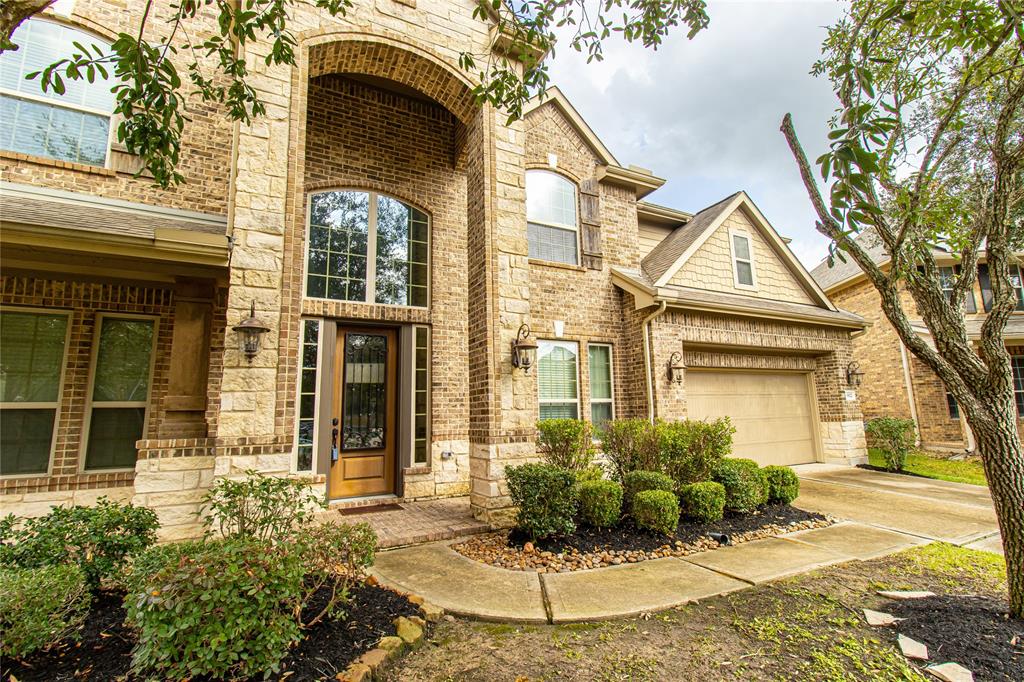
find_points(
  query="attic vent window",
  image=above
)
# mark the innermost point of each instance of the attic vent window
(743, 260)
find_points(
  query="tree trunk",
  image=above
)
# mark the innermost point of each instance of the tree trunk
(1003, 459)
(12, 13)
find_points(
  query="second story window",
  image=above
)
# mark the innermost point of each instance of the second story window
(947, 280)
(551, 217)
(74, 126)
(1017, 365)
(743, 260)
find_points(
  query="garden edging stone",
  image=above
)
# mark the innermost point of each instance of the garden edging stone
(409, 635)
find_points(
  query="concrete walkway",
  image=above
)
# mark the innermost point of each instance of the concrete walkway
(884, 513)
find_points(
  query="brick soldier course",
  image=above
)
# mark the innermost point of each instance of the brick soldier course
(377, 104)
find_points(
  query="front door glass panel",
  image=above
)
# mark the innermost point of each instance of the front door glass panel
(364, 399)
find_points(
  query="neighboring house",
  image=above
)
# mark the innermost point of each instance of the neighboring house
(394, 237)
(895, 382)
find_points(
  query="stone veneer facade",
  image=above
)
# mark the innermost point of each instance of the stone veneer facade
(333, 122)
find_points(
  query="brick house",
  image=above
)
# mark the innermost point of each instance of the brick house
(397, 239)
(896, 383)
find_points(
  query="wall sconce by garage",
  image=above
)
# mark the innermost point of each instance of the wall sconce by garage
(250, 333)
(524, 349)
(676, 368)
(853, 375)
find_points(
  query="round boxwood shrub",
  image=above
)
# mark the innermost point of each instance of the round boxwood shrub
(746, 487)
(783, 484)
(656, 510)
(600, 503)
(40, 606)
(635, 482)
(546, 497)
(704, 501)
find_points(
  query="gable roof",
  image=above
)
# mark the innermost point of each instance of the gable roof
(844, 272)
(555, 97)
(666, 259)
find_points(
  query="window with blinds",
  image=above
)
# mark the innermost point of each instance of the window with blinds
(551, 216)
(602, 408)
(557, 379)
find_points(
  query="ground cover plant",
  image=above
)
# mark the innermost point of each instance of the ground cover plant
(933, 466)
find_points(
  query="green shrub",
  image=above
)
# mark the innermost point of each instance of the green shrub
(894, 437)
(546, 497)
(39, 607)
(223, 608)
(704, 501)
(98, 539)
(690, 449)
(783, 484)
(566, 443)
(638, 481)
(656, 510)
(630, 445)
(600, 502)
(259, 506)
(591, 473)
(745, 484)
(334, 555)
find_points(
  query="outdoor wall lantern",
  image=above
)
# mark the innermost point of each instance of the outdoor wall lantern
(853, 375)
(250, 333)
(676, 368)
(524, 350)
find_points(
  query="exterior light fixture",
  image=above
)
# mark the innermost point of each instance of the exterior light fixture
(853, 375)
(250, 333)
(524, 350)
(676, 368)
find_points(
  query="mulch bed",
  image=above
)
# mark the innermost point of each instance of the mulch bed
(972, 631)
(872, 467)
(104, 651)
(597, 547)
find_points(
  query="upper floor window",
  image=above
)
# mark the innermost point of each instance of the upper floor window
(367, 247)
(742, 260)
(947, 280)
(1017, 363)
(74, 126)
(551, 218)
(985, 280)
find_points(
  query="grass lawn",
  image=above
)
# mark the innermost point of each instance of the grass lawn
(809, 627)
(967, 471)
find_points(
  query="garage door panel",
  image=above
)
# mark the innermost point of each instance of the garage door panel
(771, 412)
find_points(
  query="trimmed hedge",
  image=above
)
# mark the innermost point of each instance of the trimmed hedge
(783, 484)
(39, 607)
(746, 487)
(600, 502)
(630, 445)
(704, 501)
(638, 481)
(656, 510)
(690, 449)
(546, 497)
(567, 443)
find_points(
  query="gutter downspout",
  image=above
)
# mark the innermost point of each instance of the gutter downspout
(647, 358)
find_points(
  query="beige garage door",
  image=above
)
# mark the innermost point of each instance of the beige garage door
(771, 412)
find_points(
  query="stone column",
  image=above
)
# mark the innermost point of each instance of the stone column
(839, 417)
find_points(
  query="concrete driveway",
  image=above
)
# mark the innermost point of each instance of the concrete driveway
(957, 513)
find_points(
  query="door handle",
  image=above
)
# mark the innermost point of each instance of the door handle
(334, 440)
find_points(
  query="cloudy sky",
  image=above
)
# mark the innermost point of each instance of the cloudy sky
(705, 113)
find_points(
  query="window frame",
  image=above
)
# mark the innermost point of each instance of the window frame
(733, 233)
(58, 404)
(62, 104)
(558, 226)
(952, 407)
(970, 305)
(569, 345)
(371, 248)
(610, 400)
(303, 321)
(429, 398)
(1017, 361)
(83, 448)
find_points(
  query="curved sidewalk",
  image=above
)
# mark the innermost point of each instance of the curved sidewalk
(469, 588)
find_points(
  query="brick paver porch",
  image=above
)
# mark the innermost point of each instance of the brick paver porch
(415, 522)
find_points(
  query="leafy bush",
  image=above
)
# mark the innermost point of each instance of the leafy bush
(894, 437)
(631, 445)
(223, 608)
(334, 555)
(638, 481)
(567, 443)
(704, 501)
(783, 484)
(259, 506)
(591, 473)
(546, 497)
(745, 484)
(40, 607)
(600, 502)
(98, 539)
(656, 510)
(690, 449)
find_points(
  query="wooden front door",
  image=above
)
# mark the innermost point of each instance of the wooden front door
(365, 402)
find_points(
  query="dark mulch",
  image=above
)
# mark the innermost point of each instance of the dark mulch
(627, 537)
(971, 631)
(872, 467)
(104, 651)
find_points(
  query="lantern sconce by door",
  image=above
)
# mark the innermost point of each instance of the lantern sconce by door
(250, 334)
(676, 368)
(524, 350)
(854, 375)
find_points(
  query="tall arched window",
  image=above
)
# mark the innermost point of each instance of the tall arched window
(367, 247)
(74, 126)
(552, 225)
